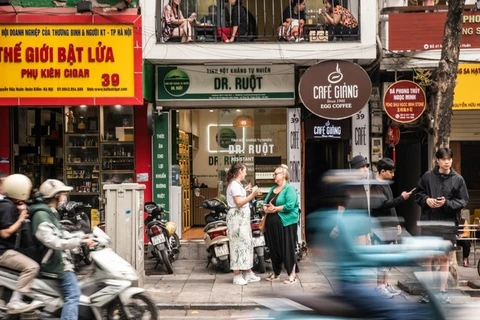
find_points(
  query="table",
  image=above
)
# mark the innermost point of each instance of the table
(205, 33)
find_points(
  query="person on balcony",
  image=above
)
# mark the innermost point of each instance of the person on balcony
(236, 20)
(175, 25)
(339, 20)
(293, 21)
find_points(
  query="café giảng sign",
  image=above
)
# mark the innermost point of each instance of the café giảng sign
(70, 64)
(335, 89)
(242, 85)
(404, 101)
(318, 128)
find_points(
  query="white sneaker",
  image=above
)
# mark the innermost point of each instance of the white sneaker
(382, 290)
(392, 290)
(251, 277)
(239, 280)
(17, 306)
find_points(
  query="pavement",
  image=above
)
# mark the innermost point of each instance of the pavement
(194, 286)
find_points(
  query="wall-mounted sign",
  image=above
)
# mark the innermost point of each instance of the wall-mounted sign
(424, 31)
(161, 163)
(212, 85)
(70, 64)
(327, 129)
(360, 134)
(467, 96)
(335, 89)
(404, 101)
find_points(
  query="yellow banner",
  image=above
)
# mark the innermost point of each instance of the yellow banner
(67, 61)
(467, 96)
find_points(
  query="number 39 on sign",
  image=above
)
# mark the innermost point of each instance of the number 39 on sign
(110, 79)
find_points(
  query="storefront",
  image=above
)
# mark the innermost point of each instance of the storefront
(212, 116)
(69, 100)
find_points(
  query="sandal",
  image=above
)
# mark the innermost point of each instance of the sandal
(272, 277)
(290, 279)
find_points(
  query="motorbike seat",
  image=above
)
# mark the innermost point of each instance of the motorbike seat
(11, 271)
(215, 224)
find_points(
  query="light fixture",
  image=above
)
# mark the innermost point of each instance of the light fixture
(84, 6)
(83, 106)
(118, 106)
(243, 122)
(238, 110)
(211, 110)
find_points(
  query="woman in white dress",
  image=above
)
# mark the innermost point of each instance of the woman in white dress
(238, 223)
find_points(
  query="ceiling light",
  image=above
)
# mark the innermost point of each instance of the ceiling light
(243, 121)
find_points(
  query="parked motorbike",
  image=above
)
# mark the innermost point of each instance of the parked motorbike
(108, 292)
(260, 249)
(215, 232)
(163, 237)
(74, 219)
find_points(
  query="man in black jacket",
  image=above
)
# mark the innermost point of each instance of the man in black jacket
(442, 194)
(386, 172)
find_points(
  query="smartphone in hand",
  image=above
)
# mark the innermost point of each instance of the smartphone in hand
(412, 190)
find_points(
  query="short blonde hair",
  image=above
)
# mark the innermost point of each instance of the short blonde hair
(285, 172)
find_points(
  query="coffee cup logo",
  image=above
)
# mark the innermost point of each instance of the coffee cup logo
(336, 76)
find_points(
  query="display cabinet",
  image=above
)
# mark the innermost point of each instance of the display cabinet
(118, 162)
(184, 161)
(264, 168)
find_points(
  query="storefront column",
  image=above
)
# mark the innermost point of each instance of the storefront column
(143, 149)
(5, 140)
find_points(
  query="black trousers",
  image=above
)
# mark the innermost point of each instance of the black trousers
(282, 242)
(465, 244)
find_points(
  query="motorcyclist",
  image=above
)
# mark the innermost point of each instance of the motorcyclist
(57, 262)
(13, 212)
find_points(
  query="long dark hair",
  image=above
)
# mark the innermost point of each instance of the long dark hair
(233, 171)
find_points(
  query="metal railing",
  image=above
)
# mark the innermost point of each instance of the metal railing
(200, 20)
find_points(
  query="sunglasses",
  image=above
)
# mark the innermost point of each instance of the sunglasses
(276, 173)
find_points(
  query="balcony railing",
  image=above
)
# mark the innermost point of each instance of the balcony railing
(257, 20)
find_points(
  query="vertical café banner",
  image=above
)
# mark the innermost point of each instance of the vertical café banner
(161, 163)
(55, 63)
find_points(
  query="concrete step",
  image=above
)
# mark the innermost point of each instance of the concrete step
(193, 250)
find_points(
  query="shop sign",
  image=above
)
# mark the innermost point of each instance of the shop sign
(69, 64)
(467, 96)
(213, 85)
(335, 89)
(360, 134)
(327, 129)
(424, 31)
(161, 181)
(404, 101)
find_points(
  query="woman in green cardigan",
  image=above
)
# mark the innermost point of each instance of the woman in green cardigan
(281, 207)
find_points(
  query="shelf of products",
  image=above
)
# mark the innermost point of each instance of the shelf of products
(118, 162)
(185, 177)
(264, 169)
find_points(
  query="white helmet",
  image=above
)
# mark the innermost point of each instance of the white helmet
(17, 186)
(51, 187)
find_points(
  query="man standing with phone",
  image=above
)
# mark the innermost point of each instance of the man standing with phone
(442, 194)
(386, 172)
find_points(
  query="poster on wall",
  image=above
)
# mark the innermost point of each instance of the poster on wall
(360, 134)
(160, 161)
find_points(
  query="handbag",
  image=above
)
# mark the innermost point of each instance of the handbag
(261, 226)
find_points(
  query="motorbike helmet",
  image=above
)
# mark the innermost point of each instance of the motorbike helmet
(17, 186)
(171, 228)
(52, 187)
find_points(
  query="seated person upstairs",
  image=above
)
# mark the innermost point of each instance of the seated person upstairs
(293, 21)
(175, 25)
(13, 212)
(211, 18)
(340, 21)
(236, 20)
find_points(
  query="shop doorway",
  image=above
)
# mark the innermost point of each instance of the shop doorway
(320, 156)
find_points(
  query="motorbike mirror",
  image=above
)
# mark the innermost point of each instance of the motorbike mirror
(196, 191)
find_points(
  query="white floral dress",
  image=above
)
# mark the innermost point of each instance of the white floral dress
(239, 230)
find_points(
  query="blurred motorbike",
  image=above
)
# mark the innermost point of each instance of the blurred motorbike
(162, 234)
(74, 219)
(215, 232)
(261, 252)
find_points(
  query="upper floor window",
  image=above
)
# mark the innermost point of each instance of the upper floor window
(257, 20)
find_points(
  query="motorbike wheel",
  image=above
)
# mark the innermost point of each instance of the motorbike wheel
(87, 257)
(226, 266)
(140, 304)
(261, 264)
(175, 245)
(166, 261)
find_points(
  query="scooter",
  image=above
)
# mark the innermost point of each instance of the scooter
(163, 237)
(74, 219)
(215, 233)
(260, 250)
(108, 292)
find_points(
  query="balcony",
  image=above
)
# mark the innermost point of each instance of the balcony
(418, 43)
(261, 31)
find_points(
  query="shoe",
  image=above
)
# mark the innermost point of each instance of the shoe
(290, 280)
(424, 298)
(251, 277)
(17, 306)
(465, 264)
(273, 277)
(392, 290)
(382, 290)
(443, 297)
(239, 280)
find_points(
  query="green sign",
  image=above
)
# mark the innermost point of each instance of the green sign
(161, 163)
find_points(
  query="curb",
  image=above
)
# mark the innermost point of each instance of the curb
(208, 306)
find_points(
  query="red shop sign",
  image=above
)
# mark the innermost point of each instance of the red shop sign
(404, 101)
